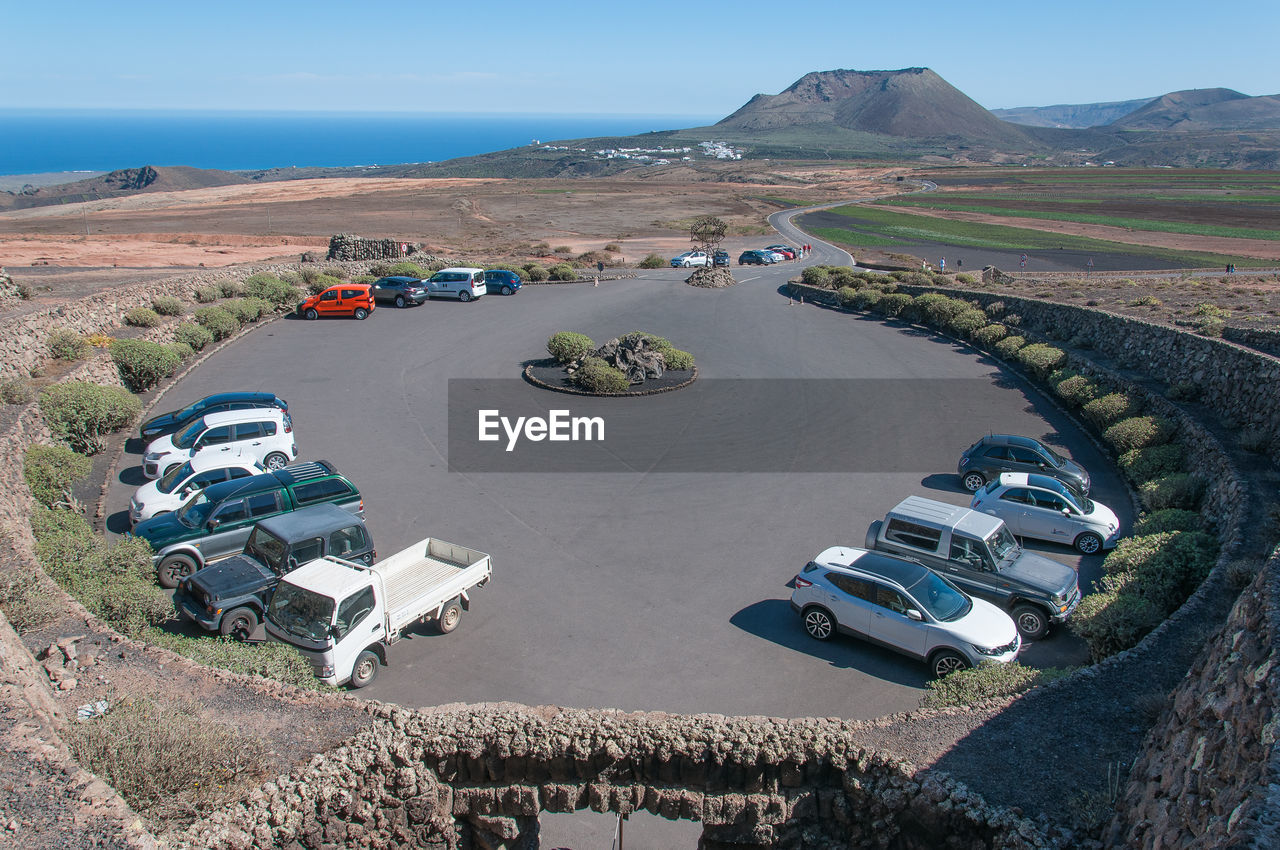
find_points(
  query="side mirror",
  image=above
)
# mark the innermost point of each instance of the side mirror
(1066, 511)
(913, 614)
(213, 523)
(335, 633)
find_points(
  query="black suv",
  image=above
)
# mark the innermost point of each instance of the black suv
(176, 420)
(997, 453)
(720, 258)
(229, 597)
(399, 290)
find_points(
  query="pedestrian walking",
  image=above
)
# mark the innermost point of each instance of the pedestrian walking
(943, 265)
(597, 283)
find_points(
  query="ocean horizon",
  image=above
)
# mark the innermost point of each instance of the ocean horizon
(47, 141)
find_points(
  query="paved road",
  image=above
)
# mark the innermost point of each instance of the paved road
(640, 590)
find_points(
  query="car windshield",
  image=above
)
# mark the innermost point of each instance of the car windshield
(301, 612)
(171, 479)
(195, 511)
(1058, 460)
(1080, 503)
(942, 599)
(1002, 544)
(267, 549)
(189, 411)
(187, 438)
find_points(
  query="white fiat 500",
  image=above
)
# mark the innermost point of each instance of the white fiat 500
(901, 605)
(172, 490)
(1044, 508)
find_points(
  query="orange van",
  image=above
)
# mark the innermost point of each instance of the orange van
(344, 299)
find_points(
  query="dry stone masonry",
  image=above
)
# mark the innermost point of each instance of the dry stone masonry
(346, 246)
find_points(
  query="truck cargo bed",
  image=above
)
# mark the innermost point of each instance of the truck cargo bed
(418, 580)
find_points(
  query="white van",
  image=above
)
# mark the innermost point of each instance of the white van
(461, 283)
(265, 434)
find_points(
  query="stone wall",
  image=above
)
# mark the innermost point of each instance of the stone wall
(1267, 342)
(479, 775)
(346, 246)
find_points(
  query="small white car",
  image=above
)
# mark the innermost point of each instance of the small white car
(902, 605)
(264, 434)
(1044, 508)
(690, 258)
(465, 284)
(171, 491)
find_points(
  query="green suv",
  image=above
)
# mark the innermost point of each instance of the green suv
(216, 522)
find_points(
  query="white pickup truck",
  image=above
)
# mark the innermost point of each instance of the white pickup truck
(341, 615)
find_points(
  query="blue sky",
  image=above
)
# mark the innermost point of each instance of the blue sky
(653, 57)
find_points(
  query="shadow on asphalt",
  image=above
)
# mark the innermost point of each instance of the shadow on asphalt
(945, 482)
(135, 446)
(773, 620)
(118, 522)
(132, 475)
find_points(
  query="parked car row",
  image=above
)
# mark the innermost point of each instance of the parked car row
(952, 586)
(755, 256)
(360, 299)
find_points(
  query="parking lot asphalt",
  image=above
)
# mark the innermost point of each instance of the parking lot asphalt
(641, 590)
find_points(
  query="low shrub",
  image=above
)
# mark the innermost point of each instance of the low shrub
(183, 351)
(1152, 462)
(278, 661)
(816, 276)
(15, 391)
(168, 305)
(613, 248)
(1076, 391)
(1163, 568)
(1110, 622)
(1041, 359)
(337, 272)
(142, 317)
(319, 283)
(988, 335)
(967, 322)
(1109, 409)
(405, 269)
(846, 296)
(563, 272)
(52, 471)
(1138, 432)
(680, 361)
(966, 279)
(192, 334)
(1209, 326)
(893, 305)
(217, 321)
(567, 346)
(246, 310)
(838, 276)
(597, 376)
(1009, 346)
(233, 288)
(1178, 490)
(143, 364)
(64, 344)
(272, 289)
(80, 413)
(995, 308)
(562, 249)
(535, 273)
(1183, 391)
(936, 309)
(27, 603)
(1168, 519)
(866, 299)
(988, 680)
(207, 294)
(1146, 301)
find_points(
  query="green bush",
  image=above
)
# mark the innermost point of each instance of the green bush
(246, 310)
(143, 364)
(1041, 359)
(217, 321)
(1178, 490)
(597, 376)
(168, 305)
(1163, 568)
(816, 276)
(838, 276)
(1111, 622)
(846, 297)
(278, 661)
(81, 413)
(66, 344)
(535, 273)
(272, 289)
(181, 350)
(562, 271)
(232, 288)
(1168, 519)
(192, 334)
(967, 322)
(1138, 432)
(15, 391)
(988, 335)
(1009, 346)
(936, 309)
(995, 308)
(1153, 462)
(408, 269)
(337, 272)
(988, 680)
(142, 317)
(867, 299)
(52, 471)
(319, 283)
(208, 294)
(893, 304)
(653, 261)
(566, 346)
(1076, 391)
(680, 361)
(1110, 409)
(966, 279)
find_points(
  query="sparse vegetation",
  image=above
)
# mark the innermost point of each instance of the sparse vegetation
(82, 413)
(653, 261)
(142, 317)
(64, 344)
(143, 364)
(167, 305)
(986, 681)
(52, 471)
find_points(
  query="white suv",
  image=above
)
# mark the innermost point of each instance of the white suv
(264, 434)
(171, 491)
(904, 606)
(461, 283)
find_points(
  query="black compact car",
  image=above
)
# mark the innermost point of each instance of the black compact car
(399, 290)
(997, 453)
(720, 258)
(756, 258)
(176, 420)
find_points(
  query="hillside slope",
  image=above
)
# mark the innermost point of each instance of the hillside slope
(1199, 110)
(127, 181)
(1070, 116)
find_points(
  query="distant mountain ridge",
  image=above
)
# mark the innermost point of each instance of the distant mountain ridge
(126, 181)
(1198, 110)
(1073, 116)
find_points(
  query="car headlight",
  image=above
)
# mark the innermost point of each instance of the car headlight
(326, 671)
(988, 651)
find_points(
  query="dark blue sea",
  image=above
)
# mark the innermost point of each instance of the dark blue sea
(40, 141)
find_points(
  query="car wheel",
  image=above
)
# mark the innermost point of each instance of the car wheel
(365, 670)
(946, 662)
(1088, 543)
(819, 624)
(174, 569)
(311, 314)
(1031, 621)
(239, 623)
(275, 460)
(361, 313)
(506, 290)
(973, 481)
(400, 302)
(449, 617)
(464, 296)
